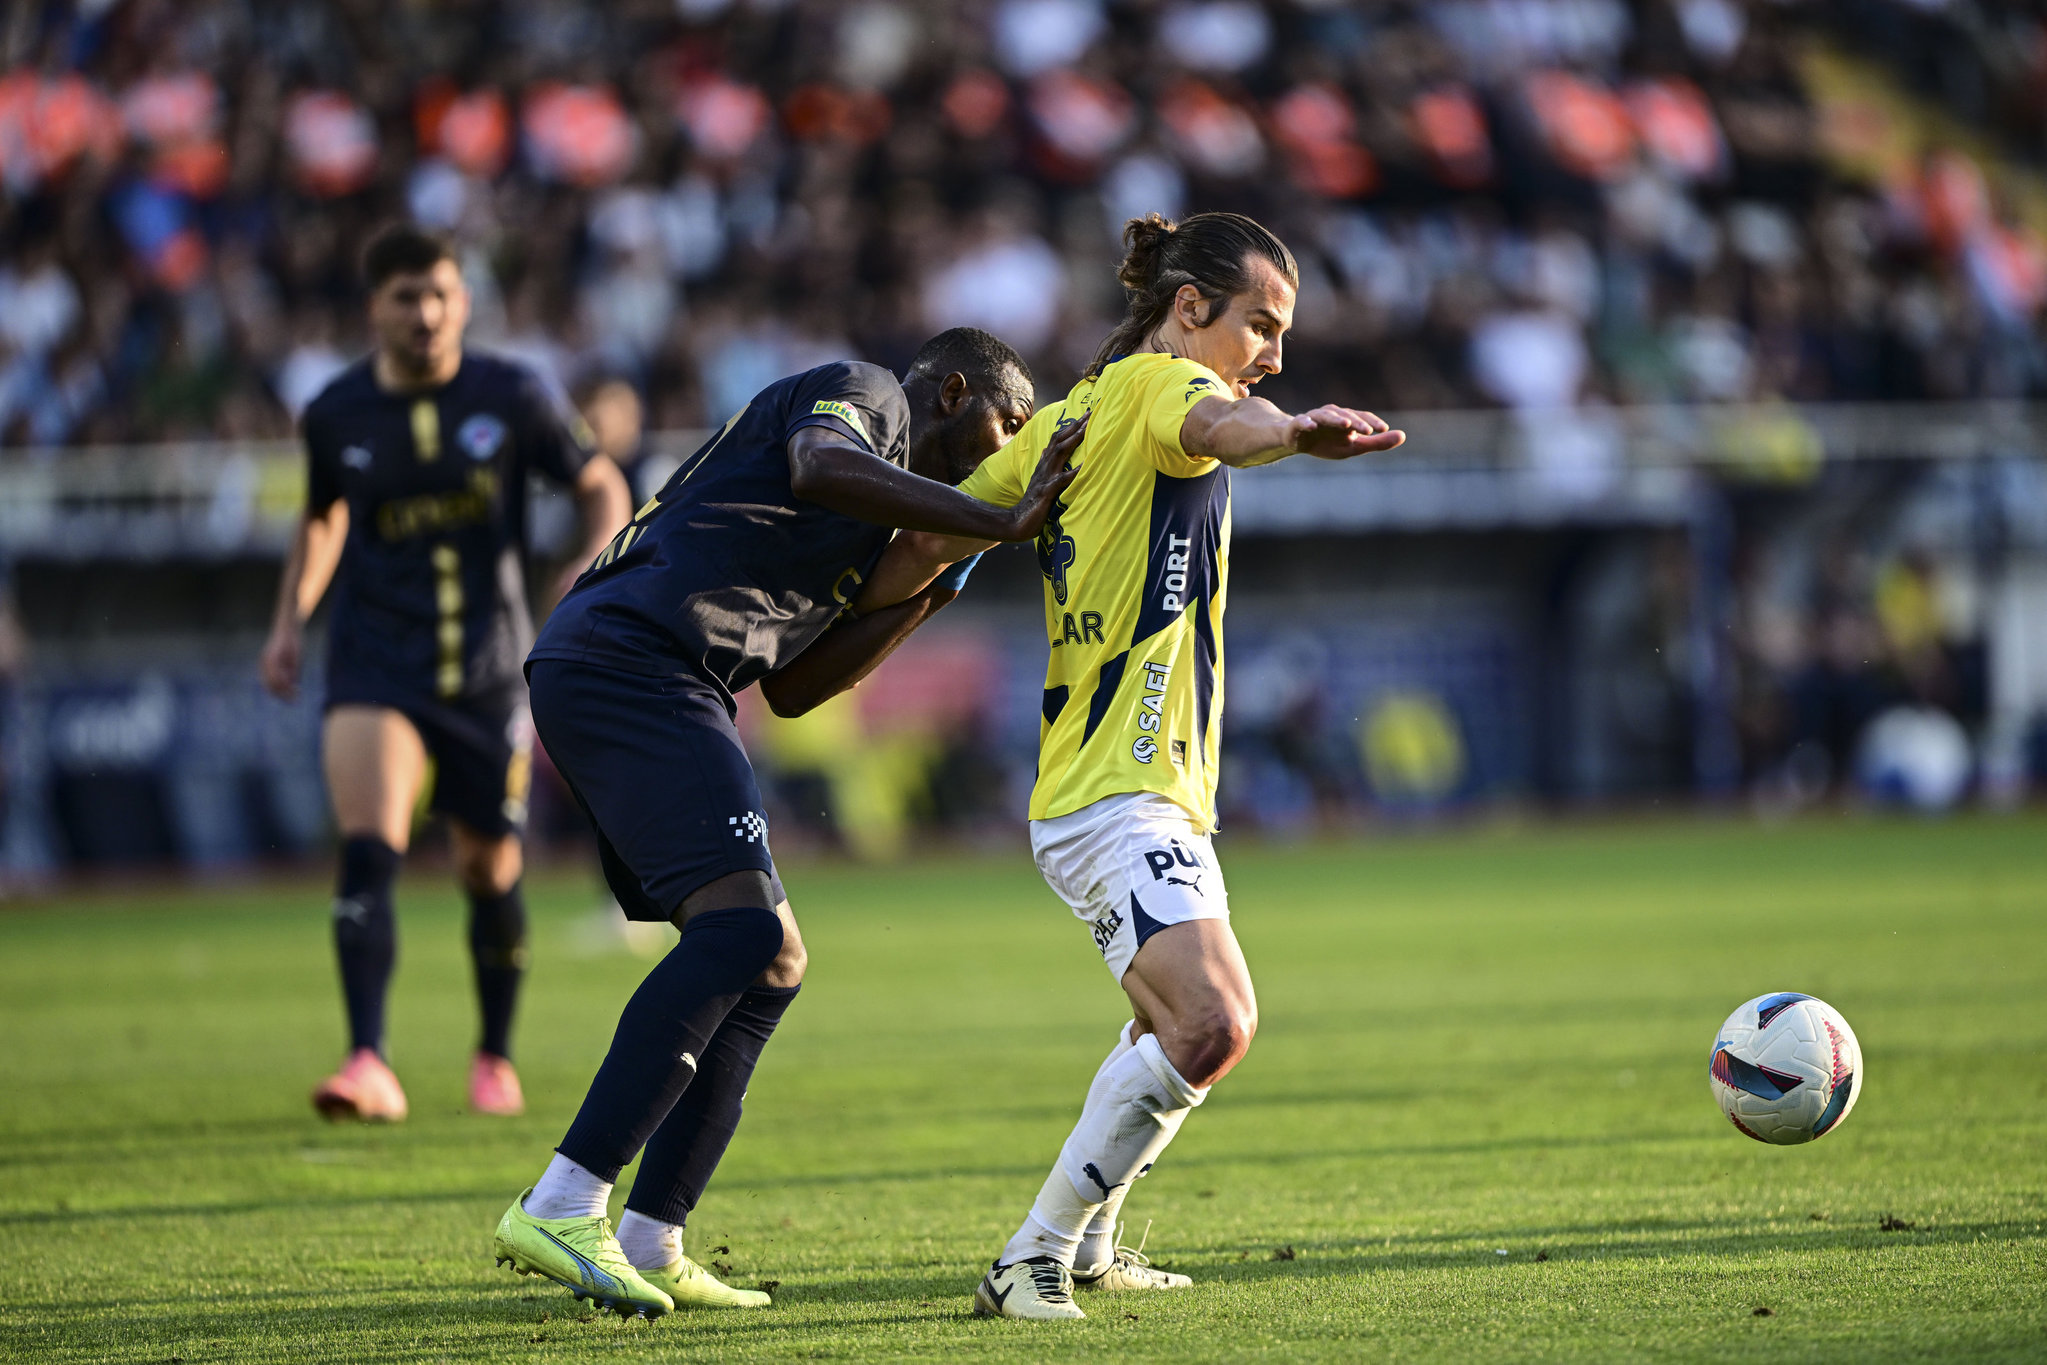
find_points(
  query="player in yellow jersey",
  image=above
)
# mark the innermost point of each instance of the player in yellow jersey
(1136, 561)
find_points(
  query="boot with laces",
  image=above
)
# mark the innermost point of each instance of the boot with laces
(1039, 1289)
(1130, 1268)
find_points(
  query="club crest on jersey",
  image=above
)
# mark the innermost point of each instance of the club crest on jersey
(481, 436)
(832, 407)
(1197, 385)
(356, 457)
(1056, 551)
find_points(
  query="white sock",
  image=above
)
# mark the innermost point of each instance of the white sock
(1097, 1250)
(1056, 1188)
(1097, 1244)
(1123, 1045)
(1126, 1123)
(566, 1190)
(649, 1243)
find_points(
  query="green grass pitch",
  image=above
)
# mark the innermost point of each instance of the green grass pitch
(1472, 1044)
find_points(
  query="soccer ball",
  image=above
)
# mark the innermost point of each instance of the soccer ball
(1786, 1068)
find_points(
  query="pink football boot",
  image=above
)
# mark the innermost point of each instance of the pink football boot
(494, 1086)
(364, 1089)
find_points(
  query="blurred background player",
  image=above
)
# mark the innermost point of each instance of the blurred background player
(1135, 560)
(732, 574)
(419, 457)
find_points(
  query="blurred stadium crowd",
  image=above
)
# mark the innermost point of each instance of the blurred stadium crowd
(1561, 213)
(1528, 204)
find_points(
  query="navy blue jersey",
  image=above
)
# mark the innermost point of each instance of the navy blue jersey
(430, 599)
(725, 572)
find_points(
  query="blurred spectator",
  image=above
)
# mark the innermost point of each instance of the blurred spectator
(1539, 205)
(311, 364)
(617, 421)
(1007, 281)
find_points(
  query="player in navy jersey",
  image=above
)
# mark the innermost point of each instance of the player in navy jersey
(418, 459)
(740, 569)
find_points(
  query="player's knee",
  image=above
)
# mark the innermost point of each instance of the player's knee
(787, 969)
(748, 938)
(1220, 1040)
(489, 867)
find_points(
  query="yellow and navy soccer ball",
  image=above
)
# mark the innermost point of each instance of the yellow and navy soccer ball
(1786, 1068)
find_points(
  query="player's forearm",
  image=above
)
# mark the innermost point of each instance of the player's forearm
(289, 581)
(846, 654)
(603, 507)
(912, 560)
(309, 565)
(1249, 431)
(858, 485)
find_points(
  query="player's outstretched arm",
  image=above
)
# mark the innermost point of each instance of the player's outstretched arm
(825, 469)
(1251, 431)
(308, 569)
(847, 653)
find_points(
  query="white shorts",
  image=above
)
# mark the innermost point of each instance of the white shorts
(1129, 866)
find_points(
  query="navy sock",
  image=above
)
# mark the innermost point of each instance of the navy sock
(497, 947)
(366, 934)
(665, 1029)
(687, 1146)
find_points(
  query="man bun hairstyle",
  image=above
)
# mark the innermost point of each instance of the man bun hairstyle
(403, 249)
(1211, 251)
(984, 358)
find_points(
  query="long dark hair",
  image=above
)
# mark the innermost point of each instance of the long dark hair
(1211, 251)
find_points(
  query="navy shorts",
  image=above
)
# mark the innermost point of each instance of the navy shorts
(657, 765)
(482, 748)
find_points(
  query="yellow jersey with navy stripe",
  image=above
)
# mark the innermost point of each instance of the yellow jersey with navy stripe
(1135, 558)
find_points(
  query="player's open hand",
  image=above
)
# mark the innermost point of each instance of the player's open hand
(278, 665)
(1333, 433)
(1054, 472)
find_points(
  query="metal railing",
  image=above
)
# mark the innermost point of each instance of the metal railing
(1459, 469)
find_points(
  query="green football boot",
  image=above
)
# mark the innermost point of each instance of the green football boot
(692, 1286)
(581, 1253)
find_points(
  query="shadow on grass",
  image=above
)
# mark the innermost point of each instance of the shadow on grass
(290, 1204)
(1582, 1244)
(43, 1144)
(454, 1323)
(1361, 1152)
(833, 1179)
(1563, 1246)
(477, 1317)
